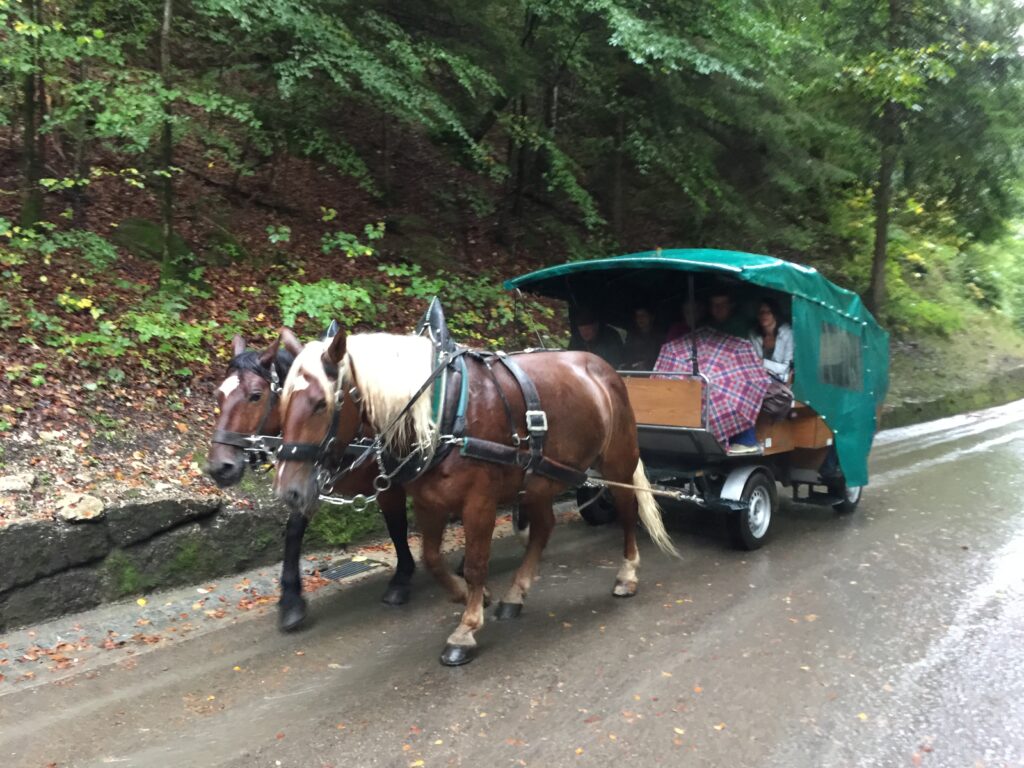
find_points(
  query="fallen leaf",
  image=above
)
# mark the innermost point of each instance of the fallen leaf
(720, 727)
(236, 668)
(579, 750)
(181, 427)
(680, 731)
(415, 764)
(141, 602)
(811, 617)
(697, 689)
(666, 674)
(862, 716)
(280, 735)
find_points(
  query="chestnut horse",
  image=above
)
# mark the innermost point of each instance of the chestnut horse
(379, 383)
(250, 407)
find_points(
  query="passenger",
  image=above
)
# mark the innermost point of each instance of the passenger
(720, 307)
(681, 327)
(591, 335)
(773, 340)
(643, 342)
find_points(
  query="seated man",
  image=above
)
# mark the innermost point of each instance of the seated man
(589, 334)
(721, 309)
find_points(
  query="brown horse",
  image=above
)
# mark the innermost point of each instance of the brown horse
(249, 405)
(368, 382)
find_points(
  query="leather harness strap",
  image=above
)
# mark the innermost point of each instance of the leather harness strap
(534, 461)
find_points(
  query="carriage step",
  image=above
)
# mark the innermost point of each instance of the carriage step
(346, 569)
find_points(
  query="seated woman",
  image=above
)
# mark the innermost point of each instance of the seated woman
(589, 334)
(643, 342)
(773, 340)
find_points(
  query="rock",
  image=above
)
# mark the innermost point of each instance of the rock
(73, 590)
(79, 507)
(20, 483)
(137, 521)
(38, 548)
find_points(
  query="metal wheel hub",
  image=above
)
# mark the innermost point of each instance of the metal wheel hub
(759, 512)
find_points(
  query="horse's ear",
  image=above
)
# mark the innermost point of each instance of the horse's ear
(336, 349)
(269, 354)
(291, 341)
(237, 345)
(331, 330)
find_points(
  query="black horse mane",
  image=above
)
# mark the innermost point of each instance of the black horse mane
(249, 360)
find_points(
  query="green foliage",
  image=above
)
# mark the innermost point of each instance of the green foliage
(335, 526)
(325, 300)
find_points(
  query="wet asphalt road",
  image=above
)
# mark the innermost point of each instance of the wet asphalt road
(894, 637)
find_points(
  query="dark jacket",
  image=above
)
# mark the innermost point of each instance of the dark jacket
(607, 345)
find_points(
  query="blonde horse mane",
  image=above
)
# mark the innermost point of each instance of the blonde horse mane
(387, 370)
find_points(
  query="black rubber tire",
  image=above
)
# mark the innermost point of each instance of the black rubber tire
(749, 528)
(601, 512)
(850, 496)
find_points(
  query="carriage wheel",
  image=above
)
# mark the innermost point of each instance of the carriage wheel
(850, 496)
(601, 511)
(748, 527)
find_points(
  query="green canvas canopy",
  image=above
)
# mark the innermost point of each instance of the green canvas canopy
(841, 359)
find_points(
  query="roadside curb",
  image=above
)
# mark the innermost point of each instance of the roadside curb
(1002, 388)
(56, 567)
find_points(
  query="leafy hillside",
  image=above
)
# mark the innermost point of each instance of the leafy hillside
(173, 174)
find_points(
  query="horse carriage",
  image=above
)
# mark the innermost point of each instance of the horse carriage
(457, 431)
(840, 375)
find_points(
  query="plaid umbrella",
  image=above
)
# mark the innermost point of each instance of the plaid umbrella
(738, 378)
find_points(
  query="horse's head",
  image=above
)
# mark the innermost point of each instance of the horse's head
(248, 404)
(319, 412)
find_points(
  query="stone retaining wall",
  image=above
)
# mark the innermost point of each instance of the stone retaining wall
(50, 568)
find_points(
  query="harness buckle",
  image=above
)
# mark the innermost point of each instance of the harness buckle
(536, 422)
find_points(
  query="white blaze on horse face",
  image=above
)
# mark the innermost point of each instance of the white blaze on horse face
(231, 383)
(301, 384)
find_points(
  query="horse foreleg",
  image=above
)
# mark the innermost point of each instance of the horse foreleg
(541, 523)
(626, 506)
(478, 523)
(392, 506)
(292, 606)
(431, 525)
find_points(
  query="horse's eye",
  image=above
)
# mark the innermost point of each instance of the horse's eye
(255, 397)
(321, 405)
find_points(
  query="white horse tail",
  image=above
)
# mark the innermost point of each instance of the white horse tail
(650, 512)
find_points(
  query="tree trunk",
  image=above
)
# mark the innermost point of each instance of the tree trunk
(890, 137)
(618, 182)
(487, 122)
(880, 255)
(32, 194)
(167, 265)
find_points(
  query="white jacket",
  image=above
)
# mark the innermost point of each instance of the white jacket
(781, 361)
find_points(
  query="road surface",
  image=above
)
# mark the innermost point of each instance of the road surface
(892, 637)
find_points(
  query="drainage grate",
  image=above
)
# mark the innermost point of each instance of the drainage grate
(349, 568)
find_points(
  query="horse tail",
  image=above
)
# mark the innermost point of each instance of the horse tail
(650, 512)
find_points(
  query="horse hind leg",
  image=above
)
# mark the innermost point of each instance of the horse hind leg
(478, 522)
(626, 581)
(541, 523)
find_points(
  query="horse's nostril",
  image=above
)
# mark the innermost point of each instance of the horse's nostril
(292, 497)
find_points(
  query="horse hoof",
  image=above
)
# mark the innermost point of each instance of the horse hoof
(396, 594)
(624, 588)
(457, 655)
(290, 616)
(508, 611)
